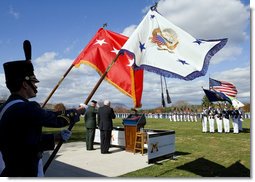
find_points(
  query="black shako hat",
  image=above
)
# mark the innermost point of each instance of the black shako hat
(17, 71)
(94, 101)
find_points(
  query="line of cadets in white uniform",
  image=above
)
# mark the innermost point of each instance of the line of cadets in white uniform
(222, 118)
(186, 116)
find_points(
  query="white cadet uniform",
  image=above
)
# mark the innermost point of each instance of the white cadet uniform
(174, 116)
(235, 116)
(225, 115)
(240, 121)
(204, 120)
(211, 120)
(170, 116)
(218, 117)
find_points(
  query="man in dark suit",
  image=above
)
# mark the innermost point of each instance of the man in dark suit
(90, 124)
(105, 116)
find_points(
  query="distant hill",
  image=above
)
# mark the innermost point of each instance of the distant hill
(119, 105)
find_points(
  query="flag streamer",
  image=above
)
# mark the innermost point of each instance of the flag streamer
(167, 93)
(162, 94)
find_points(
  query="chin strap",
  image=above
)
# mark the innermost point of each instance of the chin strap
(32, 86)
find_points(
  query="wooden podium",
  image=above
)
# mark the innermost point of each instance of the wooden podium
(132, 124)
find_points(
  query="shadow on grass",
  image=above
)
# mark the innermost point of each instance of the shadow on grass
(246, 130)
(158, 160)
(207, 168)
(178, 153)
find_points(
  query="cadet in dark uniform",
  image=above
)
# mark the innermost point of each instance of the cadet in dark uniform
(218, 118)
(235, 116)
(211, 116)
(226, 115)
(21, 121)
(105, 116)
(204, 120)
(90, 124)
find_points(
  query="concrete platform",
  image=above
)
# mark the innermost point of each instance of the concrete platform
(73, 160)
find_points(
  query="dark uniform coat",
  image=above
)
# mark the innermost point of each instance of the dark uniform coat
(21, 138)
(105, 116)
(90, 117)
(90, 123)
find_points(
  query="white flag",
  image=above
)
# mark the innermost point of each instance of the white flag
(236, 103)
(161, 47)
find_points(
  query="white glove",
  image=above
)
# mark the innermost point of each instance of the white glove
(65, 134)
(83, 105)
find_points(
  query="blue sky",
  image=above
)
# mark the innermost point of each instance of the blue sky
(60, 29)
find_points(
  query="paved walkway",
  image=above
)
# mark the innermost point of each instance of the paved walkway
(73, 160)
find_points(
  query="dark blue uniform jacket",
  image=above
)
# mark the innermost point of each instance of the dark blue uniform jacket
(21, 138)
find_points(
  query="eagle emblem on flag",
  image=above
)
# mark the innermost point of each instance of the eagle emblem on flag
(165, 40)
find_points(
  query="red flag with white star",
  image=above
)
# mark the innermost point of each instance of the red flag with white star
(100, 52)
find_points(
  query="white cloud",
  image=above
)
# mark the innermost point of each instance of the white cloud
(213, 19)
(129, 30)
(228, 53)
(240, 77)
(4, 92)
(208, 20)
(79, 83)
(50, 70)
(14, 13)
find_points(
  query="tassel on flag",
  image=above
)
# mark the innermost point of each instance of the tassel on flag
(162, 94)
(167, 94)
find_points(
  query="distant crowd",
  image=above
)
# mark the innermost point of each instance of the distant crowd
(178, 116)
(210, 117)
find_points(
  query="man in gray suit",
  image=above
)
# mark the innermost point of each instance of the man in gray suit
(105, 116)
(90, 123)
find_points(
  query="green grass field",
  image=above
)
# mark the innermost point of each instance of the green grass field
(197, 154)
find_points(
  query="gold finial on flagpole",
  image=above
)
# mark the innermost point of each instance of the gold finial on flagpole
(154, 7)
(104, 25)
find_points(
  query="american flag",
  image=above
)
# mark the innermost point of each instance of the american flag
(222, 86)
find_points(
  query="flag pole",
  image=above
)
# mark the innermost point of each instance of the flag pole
(52, 156)
(101, 78)
(56, 87)
(60, 81)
